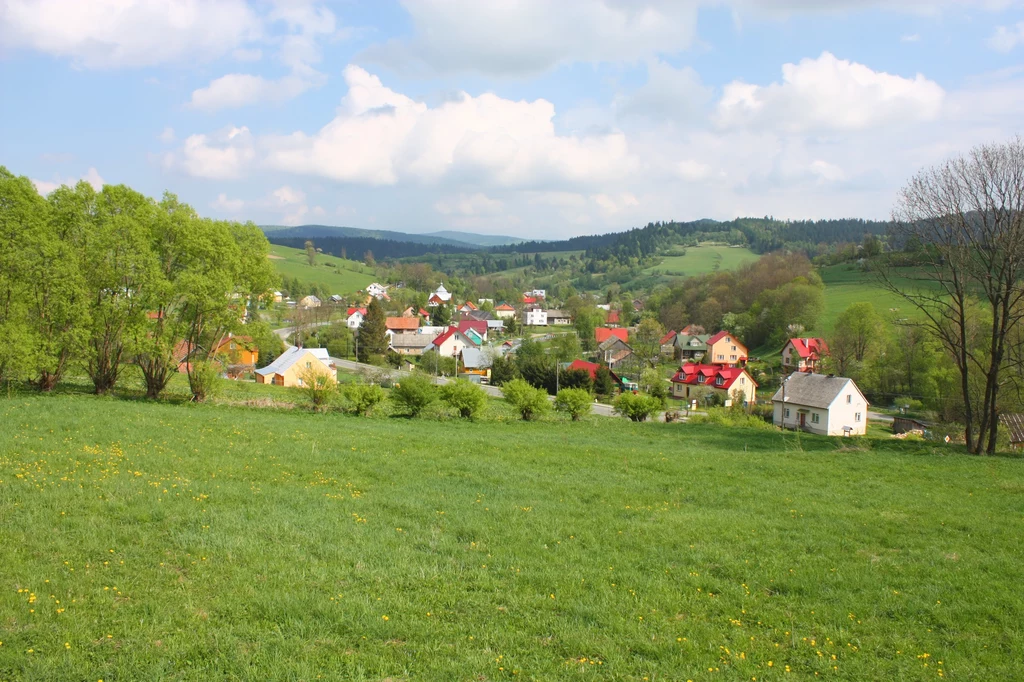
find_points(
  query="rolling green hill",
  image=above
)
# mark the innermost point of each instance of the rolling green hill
(703, 259)
(197, 542)
(847, 284)
(345, 277)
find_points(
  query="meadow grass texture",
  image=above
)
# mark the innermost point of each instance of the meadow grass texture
(700, 260)
(346, 277)
(146, 541)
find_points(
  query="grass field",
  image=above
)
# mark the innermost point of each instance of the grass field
(345, 277)
(847, 284)
(700, 260)
(193, 542)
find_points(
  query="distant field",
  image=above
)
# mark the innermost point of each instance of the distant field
(847, 284)
(345, 278)
(151, 541)
(700, 260)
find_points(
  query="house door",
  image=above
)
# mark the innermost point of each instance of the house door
(803, 419)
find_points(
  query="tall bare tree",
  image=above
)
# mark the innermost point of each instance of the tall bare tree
(967, 214)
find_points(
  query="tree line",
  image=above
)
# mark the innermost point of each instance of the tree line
(99, 280)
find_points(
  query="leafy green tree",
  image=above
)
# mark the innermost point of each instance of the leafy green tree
(310, 252)
(646, 341)
(414, 393)
(575, 402)
(441, 315)
(566, 347)
(373, 340)
(466, 397)
(604, 384)
(530, 402)
(857, 334)
(503, 369)
(576, 378)
(337, 339)
(436, 364)
(585, 322)
(636, 407)
(361, 398)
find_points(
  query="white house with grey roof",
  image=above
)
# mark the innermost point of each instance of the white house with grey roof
(824, 404)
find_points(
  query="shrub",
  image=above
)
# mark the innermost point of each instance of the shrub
(603, 382)
(636, 407)
(202, 380)
(361, 398)
(574, 401)
(414, 392)
(718, 416)
(503, 370)
(319, 387)
(530, 402)
(466, 397)
(576, 378)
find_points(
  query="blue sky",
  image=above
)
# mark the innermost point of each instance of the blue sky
(532, 118)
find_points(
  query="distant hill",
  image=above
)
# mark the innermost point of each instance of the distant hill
(477, 239)
(277, 233)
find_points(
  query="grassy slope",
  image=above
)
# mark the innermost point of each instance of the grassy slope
(702, 259)
(200, 542)
(846, 285)
(345, 278)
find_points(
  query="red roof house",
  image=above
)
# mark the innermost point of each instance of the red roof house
(613, 317)
(402, 324)
(529, 299)
(591, 368)
(479, 326)
(602, 334)
(692, 378)
(803, 354)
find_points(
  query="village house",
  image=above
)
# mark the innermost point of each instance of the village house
(477, 327)
(591, 369)
(601, 334)
(355, 317)
(667, 344)
(336, 299)
(536, 293)
(803, 355)
(559, 317)
(468, 307)
(377, 290)
(409, 343)
(495, 326)
(613, 318)
(824, 404)
(692, 347)
(725, 349)
(694, 381)
(310, 301)
(475, 365)
(613, 351)
(504, 311)
(450, 344)
(291, 366)
(236, 350)
(398, 325)
(536, 317)
(278, 296)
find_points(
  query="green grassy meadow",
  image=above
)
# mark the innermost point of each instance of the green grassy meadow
(195, 542)
(700, 260)
(345, 277)
(846, 284)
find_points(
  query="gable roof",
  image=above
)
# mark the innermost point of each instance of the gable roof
(479, 326)
(668, 338)
(245, 342)
(352, 311)
(691, 372)
(554, 312)
(452, 331)
(475, 358)
(613, 341)
(717, 337)
(601, 334)
(408, 340)
(613, 317)
(529, 299)
(401, 323)
(504, 307)
(288, 358)
(809, 348)
(813, 390)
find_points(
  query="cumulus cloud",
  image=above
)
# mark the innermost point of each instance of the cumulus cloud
(829, 94)
(1006, 38)
(91, 176)
(227, 205)
(127, 33)
(529, 36)
(238, 89)
(670, 93)
(382, 137)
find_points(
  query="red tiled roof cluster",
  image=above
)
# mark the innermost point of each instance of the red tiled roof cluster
(690, 373)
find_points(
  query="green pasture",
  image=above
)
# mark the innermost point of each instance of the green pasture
(345, 277)
(700, 260)
(847, 284)
(162, 541)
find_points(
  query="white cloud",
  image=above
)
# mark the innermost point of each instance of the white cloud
(469, 205)
(243, 54)
(1005, 39)
(692, 170)
(167, 136)
(615, 203)
(91, 176)
(382, 137)
(288, 196)
(228, 205)
(670, 93)
(319, 211)
(830, 94)
(127, 33)
(529, 36)
(910, 38)
(237, 90)
(222, 155)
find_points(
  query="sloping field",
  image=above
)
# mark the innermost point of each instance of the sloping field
(345, 277)
(700, 260)
(847, 284)
(184, 542)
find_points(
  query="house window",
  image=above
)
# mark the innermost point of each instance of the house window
(742, 380)
(233, 345)
(309, 365)
(734, 347)
(721, 357)
(856, 417)
(787, 413)
(849, 399)
(815, 418)
(300, 382)
(719, 381)
(732, 357)
(700, 379)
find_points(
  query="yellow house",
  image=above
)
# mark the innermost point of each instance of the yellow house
(725, 349)
(293, 364)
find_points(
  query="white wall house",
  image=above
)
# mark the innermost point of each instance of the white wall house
(450, 344)
(824, 404)
(377, 290)
(536, 317)
(355, 319)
